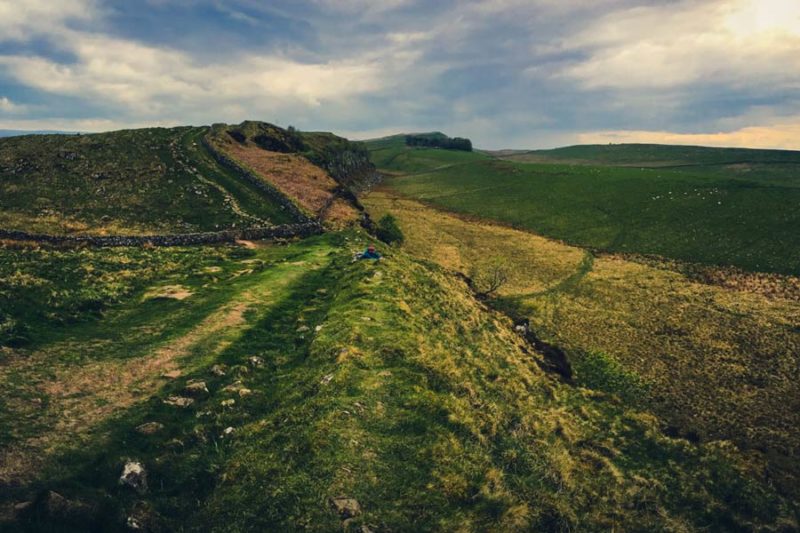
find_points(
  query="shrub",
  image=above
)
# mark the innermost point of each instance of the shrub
(487, 277)
(388, 231)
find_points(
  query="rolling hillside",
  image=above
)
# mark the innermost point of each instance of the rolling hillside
(290, 388)
(704, 211)
(156, 181)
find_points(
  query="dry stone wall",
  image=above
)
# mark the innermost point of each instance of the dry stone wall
(284, 231)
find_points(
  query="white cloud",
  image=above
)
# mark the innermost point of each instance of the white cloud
(21, 19)
(155, 81)
(9, 107)
(736, 42)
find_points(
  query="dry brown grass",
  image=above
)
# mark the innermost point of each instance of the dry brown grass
(535, 263)
(294, 175)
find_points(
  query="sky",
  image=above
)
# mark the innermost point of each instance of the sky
(505, 73)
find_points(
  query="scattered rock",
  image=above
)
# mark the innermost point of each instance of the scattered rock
(255, 361)
(144, 518)
(346, 507)
(172, 292)
(134, 476)
(21, 507)
(233, 387)
(133, 524)
(326, 379)
(196, 388)
(172, 374)
(149, 428)
(219, 370)
(179, 401)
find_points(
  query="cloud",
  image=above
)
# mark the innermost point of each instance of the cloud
(20, 20)
(736, 42)
(154, 81)
(520, 73)
(9, 107)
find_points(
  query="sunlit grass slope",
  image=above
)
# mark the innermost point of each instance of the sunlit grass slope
(385, 384)
(714, 363)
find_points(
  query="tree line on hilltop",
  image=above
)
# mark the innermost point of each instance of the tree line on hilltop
(448, 143)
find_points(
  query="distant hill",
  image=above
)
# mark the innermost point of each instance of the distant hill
(777, 164)
(392, 155)
(708, 205)
(16, 133)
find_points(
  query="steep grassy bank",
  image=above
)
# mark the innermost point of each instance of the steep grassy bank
(715, 363)
(362, 394)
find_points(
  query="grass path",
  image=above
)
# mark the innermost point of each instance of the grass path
(80, 395)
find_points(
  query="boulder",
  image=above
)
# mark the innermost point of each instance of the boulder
(196, 388)
(179, 401)
(346, 507)
(219, 370)
(134, 476)
(149, 428)
(255, 361)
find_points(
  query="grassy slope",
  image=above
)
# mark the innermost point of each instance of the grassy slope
(383, 382)
(715, 363)
(696, 217)
(392, 156)
(132, 181)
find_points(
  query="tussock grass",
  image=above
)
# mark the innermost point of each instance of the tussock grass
(388, 383)
(715, 363)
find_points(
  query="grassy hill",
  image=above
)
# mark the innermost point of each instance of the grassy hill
(160, 180)
(716, 215)
(392, 156)
(287, 386)
(322, 396)
(134, 181)
(713, 353)
(781, 167)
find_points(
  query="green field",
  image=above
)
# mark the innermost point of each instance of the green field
(392, 156)
(710, 216)
(352, 394)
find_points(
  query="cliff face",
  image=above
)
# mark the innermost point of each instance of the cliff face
(346, 161)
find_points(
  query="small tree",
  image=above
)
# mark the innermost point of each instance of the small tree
(388, 231)
(488, 277)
